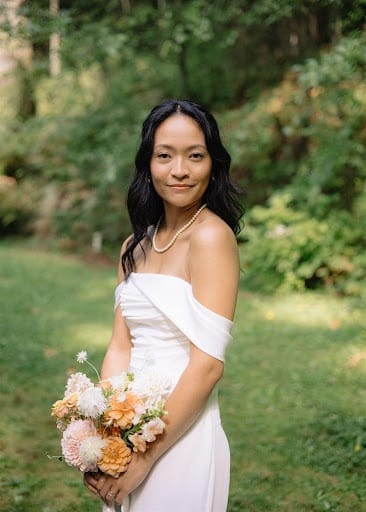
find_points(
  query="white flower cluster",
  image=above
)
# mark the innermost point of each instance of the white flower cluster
(92, 402)
(152, 386)
(77, 383)
(120, 382)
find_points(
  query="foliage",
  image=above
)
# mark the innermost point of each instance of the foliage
(289, 249)
(17, 206)
(303, 149)
(296, 423)
(310, 127)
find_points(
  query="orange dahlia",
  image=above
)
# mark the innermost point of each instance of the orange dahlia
(116, 456)
(121, 413)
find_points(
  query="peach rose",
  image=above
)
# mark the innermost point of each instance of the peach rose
(121, 413)
(152, 429)
(139, 443)
(62, 408)
(116, 456)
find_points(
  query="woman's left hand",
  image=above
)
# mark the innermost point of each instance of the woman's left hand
(114, 490)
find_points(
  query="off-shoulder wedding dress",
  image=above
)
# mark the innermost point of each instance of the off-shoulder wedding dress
(164, 318)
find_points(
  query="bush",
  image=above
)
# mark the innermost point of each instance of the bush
(289, 249)
(301, 151)
(83, 211)
(17, 206)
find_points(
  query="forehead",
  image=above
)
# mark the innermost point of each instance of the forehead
(179, 128)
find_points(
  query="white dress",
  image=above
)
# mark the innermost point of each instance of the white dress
(164, 317)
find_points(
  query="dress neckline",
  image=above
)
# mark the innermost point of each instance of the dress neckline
(157, 274)
(185, 283)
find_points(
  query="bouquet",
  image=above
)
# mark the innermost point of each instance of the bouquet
(103, 423)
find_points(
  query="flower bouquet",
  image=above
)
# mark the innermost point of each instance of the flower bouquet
(103, 423)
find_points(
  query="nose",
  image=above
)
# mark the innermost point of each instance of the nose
(179, 168)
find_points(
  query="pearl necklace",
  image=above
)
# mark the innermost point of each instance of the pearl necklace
(172, 241)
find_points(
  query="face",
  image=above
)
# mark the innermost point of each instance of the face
(180, 164)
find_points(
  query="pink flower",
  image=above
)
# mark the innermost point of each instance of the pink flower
(77, 431)
(77, 383)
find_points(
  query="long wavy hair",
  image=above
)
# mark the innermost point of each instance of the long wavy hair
(144, 205)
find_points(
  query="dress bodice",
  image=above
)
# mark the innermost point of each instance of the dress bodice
(164, 317)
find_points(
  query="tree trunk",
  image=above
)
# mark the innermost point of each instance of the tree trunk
(27, 104)
(126, 5)
(55, 41)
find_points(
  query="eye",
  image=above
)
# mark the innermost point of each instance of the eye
(196, 156)
(163, 156)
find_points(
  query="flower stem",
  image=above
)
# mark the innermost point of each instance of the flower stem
(92, 366)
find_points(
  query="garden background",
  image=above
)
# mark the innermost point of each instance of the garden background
(286, 81)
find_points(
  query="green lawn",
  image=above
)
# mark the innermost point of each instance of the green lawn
(293, 395)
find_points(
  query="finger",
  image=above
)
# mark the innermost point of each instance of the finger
(120, 497)
(107, 494)
(91, 488)
(117, 492)
(100, 483)
(89, 479)
(110, 498)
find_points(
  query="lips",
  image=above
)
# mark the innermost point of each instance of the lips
(180, 186)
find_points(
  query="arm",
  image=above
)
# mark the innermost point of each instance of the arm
(117, 357)
(116, 360)
(214, 270)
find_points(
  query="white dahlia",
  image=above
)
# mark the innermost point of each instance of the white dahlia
(92, 403)
(90, 451)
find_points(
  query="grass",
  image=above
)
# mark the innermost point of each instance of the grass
(293, 394)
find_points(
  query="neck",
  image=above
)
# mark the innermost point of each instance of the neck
(174, 218)
(177, 233)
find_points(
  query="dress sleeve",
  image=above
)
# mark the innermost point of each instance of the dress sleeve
(173, 296)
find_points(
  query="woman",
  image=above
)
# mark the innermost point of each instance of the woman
(176, 298)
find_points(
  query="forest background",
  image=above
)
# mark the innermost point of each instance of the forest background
(285, 79)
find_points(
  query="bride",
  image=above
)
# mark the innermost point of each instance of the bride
(175, 301)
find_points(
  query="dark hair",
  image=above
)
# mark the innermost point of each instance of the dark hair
(144, 205)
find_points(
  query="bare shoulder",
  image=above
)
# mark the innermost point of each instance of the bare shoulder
(214, 265)
(211, 232)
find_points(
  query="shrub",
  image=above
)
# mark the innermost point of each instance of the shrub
(289, 249)
(17, 205)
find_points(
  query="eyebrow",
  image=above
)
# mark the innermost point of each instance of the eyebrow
(194, 146)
